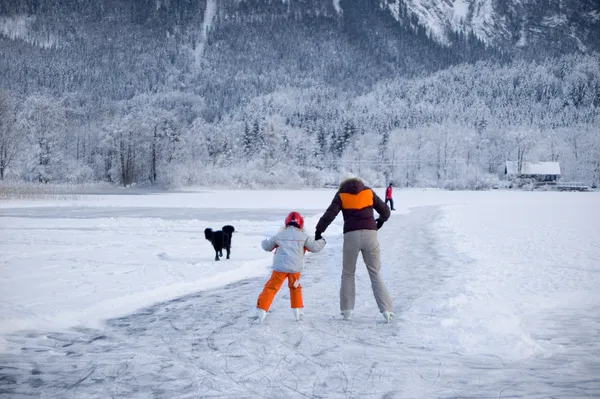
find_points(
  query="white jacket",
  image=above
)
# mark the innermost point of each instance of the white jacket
(290, 244)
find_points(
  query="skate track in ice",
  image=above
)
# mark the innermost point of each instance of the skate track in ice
(466, 326)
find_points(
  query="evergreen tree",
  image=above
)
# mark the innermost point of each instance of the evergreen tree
(248, 141)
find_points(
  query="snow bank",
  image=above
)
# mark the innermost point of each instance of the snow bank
(523, 257)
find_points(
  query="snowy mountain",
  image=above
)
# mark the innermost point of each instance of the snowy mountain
(563, 25)
(120, 48)
(180, 86)
(520, 23)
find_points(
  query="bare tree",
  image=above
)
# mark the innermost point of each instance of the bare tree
(523, 142)
(132, 144)
(165, 141)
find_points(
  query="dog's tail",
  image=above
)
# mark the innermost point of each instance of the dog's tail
(208, 233)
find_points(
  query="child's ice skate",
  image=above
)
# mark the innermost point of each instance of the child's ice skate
(261, 314)
(298, 313)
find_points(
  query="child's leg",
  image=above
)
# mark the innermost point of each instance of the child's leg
(295, 290)
(271, 287)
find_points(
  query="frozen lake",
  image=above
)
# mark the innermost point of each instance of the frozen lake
(495, 294)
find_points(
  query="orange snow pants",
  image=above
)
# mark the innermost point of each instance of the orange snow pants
(274, 284)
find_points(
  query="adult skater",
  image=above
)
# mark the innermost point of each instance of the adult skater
(356, 201)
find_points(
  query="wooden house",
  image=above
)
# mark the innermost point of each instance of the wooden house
(538, 172)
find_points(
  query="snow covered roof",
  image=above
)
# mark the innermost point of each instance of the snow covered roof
(532, 168)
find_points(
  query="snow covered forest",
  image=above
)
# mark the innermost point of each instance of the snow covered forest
(247, 103)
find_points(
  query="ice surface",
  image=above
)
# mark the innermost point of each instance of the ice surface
(495, 296)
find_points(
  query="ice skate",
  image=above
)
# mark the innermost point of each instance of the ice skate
(346, 314)
(298, 313)
(388, 316)
(261, 314)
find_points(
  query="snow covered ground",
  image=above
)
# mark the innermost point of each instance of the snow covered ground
(496, 295)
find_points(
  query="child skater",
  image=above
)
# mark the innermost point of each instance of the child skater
(290, 244)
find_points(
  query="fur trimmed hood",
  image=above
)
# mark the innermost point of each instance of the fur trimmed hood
(352, 185)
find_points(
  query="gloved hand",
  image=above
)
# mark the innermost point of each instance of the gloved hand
(318, 235)
(379, 223)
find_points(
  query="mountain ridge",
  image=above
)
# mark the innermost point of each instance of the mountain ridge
(563, 25)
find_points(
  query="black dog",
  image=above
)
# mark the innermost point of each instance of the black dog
(220, 239)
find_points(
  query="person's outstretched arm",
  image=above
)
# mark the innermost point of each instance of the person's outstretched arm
(314, 245)
(269, 244)
(330, 214)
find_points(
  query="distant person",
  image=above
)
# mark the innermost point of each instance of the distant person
(356, 201)
(388, 197)
(290, 244)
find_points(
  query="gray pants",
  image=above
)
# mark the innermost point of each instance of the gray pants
(364, 241)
